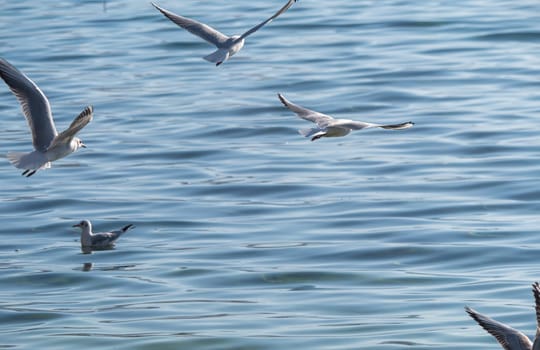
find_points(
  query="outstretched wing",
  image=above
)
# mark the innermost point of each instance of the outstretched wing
(508, 337)
(536, 293)
(307, 114)
(353, 125)
(400, 126)
(78, 123)
(259, 26)
(358, 125)
(34, 104)
(195, 27)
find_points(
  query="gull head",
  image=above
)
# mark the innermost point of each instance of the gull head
(78, 143)
(85, 225)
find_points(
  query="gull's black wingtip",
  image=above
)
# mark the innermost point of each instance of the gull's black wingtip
(88, 110)
(471, 313)
(282, 99)
(127, 227)
(536, 289)
(158, 8)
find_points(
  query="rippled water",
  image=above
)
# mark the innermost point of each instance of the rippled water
(248, 235)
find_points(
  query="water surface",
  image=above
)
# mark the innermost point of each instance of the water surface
(248, 235)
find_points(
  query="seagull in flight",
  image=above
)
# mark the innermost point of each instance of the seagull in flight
(49, 145)
(508, 337)
(227, 46)
(330, 127)
(99, 239)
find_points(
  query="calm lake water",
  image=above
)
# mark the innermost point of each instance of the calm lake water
(249, 236)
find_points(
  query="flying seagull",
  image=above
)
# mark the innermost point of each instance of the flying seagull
(100, 239)
(330, 127)
(227, 46)
(49, 145)
(508, 337)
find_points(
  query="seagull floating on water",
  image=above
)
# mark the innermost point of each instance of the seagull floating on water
(100, 239)
(227, 46)
(49, 145)
(330, 127)
(508, 337)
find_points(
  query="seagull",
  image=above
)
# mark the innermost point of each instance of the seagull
(227, 46)
(49, 145)
(330, 127)
(100, 239)
(508, 337)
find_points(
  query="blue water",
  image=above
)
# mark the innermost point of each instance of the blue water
(249, 236)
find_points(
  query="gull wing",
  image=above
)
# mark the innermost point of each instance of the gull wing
(358, 125)
(508, 337)
(400, 126)
(76, 125)
(259, 26)
(34, 104)
(352, 124)
(320, 119)
(103, 239)
(536, 293)
(118, 233)
(195, 27)
(108, 238)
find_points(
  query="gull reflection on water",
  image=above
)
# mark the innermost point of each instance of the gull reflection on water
(87, 266)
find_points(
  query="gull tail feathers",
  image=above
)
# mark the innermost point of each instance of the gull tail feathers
(218, 57)
(307, 132)
(397, 126)
(314, 133)
(29, 161)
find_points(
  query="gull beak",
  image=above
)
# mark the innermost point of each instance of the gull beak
(77, 225)
(83, 145)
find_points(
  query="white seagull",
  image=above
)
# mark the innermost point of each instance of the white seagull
(330, 127)
(227, 46)
(508, 337)
(49, 145)
(99, 239)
